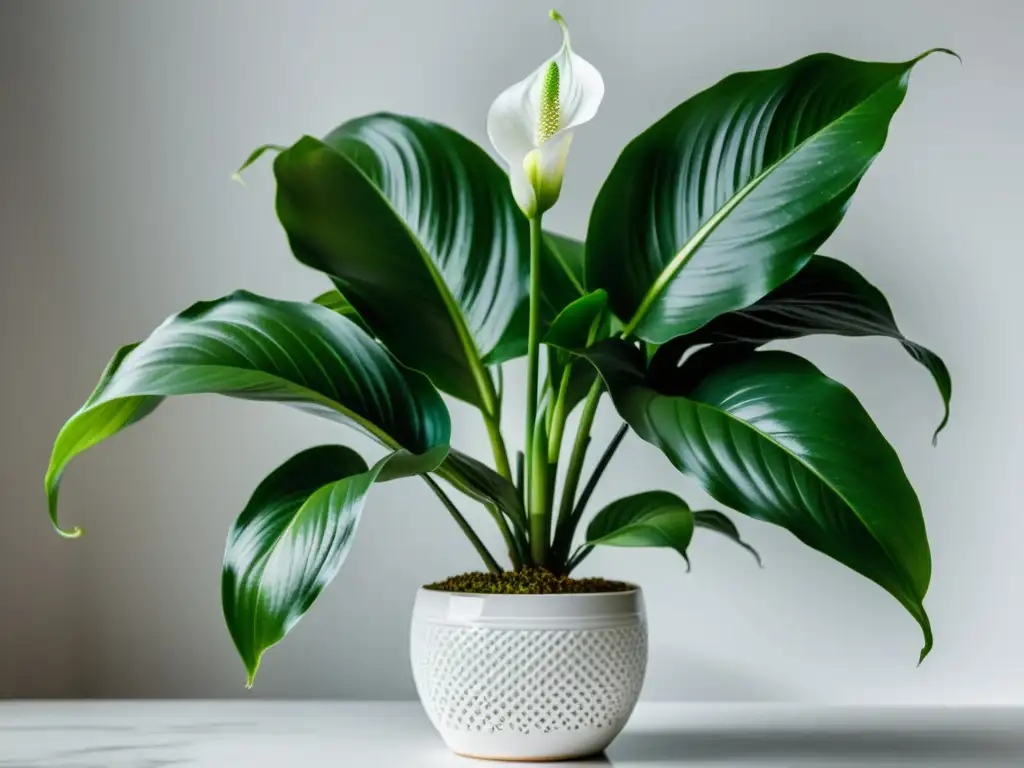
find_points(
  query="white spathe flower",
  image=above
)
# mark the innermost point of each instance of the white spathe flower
(531, 123)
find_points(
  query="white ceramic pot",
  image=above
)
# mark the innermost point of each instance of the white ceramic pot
(528, 677)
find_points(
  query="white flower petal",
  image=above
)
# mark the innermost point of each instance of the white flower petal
(536, 156)
(510, 123)
(580, 88)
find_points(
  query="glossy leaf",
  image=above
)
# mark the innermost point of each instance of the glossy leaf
(826, 296)
(255, 348)
(650, 519)
(580, 324)
(291, 540)
(769, 435)
(417, 227)
(728, 195)
(574, 327)
(713, 520)
(561, 283)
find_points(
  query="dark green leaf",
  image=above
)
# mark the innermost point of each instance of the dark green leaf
(826, 296)
(580, 324)
(417, 227)
(651, 519)
(727, 196)
(256, 348)
(769, 435)
(290, 541)
(716, 521)
(575, 326)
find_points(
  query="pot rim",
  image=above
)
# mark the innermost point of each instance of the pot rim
(550, 611)
(634, 589)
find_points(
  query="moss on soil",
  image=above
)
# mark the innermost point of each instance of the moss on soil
(529, 581)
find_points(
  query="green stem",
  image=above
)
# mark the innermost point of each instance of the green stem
(540, 511)
(558, 416)
(535, 481)
(498, 446)
(579, 452)
(588, 489)
(578, 557)
(488, 558)
(506, 533)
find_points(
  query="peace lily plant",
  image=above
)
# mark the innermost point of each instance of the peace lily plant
(702, 247)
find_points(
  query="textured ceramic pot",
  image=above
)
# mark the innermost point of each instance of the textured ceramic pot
(528, 677)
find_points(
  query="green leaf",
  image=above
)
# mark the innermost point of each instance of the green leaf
(255, 155)
(651, 519)
(291, 540)
(255, 348)
(335, 302)
(561, 282)
(417, 227)
(480, 482)
(728, 195)
(580, 324)
(713, 520)
(574, 327)
(769, 435)
(826, 296)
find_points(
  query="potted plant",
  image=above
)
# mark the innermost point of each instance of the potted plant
(702, 247)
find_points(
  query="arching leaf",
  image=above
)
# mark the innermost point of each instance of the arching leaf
(826, 296)
(728, 195)
(650, 519)
(417, 227)
(769, 435)
(291, 540)
(713, 520)
(255, 348)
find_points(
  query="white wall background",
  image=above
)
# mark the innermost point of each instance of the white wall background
(120, 124)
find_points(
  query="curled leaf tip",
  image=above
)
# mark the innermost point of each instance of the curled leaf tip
(255, 155)
(947, 51)
(72, 533)
(556, 16)
(938, 429)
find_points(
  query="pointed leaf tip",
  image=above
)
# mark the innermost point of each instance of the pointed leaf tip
(947, 51)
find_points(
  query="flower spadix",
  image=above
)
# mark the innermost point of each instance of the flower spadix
(531, 123)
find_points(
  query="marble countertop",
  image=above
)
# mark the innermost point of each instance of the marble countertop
(260, 734)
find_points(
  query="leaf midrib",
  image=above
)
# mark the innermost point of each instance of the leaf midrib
(691, 246)
(319, 398)
(480, 377)
(906, 577)
(329, 488)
